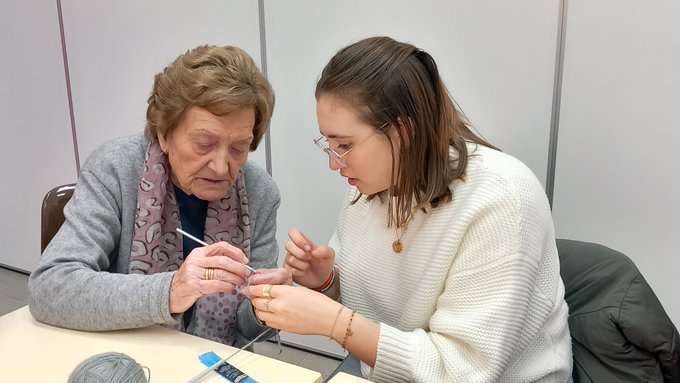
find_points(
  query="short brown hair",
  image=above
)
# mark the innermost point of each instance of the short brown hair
(221, 80)
(393, 83)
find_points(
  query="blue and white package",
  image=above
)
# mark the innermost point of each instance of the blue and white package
(225, 369)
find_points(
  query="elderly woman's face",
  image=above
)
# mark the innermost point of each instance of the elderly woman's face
(207, 151)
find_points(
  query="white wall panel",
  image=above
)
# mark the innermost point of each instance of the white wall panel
(116, 47)
(617, 166)
(36, 149)
(496, 57)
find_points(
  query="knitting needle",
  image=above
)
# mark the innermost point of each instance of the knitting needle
(252, 271)
(208, 370)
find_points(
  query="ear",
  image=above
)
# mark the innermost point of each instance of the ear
(163, 142)
(401, 124)
(394, 134)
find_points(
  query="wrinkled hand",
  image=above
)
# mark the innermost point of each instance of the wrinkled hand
(294, 309)
(279, 276)
(309, 264)
(191, 281)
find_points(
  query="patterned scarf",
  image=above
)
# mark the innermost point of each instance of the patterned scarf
(157, 247)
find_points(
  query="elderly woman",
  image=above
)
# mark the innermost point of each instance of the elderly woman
(118, 262)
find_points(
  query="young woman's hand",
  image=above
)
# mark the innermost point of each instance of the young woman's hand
(294, 309)
(309, 264)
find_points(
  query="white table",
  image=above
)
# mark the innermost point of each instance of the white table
(34, 352)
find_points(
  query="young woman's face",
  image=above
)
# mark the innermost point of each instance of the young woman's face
(207, 151)
(369, 163)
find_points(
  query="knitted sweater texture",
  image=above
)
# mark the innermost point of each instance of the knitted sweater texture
(82, 280)
(476, 294)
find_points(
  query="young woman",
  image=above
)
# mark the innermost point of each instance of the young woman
(443, 266)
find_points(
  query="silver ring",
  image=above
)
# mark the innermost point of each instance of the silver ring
(266, 304)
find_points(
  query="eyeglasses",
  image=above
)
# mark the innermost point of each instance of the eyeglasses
(338, 157)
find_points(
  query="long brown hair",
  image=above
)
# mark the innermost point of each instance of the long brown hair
(395, 83)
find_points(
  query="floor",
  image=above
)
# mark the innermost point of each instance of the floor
(14, 294)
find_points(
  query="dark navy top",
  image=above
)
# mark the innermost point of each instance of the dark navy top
(192, 214)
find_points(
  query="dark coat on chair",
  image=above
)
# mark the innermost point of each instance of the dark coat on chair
(620, 331)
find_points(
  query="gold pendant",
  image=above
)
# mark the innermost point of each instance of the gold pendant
(397, 247)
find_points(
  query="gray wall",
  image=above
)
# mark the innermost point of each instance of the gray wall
(615, 168)
(616, 179)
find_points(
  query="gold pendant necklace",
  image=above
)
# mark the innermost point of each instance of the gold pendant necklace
(397, 246)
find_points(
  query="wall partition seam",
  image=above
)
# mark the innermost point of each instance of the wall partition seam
(556, 102)
(263, 60)
(69, 96)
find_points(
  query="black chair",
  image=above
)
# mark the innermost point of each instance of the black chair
(620, 331)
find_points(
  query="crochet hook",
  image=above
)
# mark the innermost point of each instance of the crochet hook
(252, 271)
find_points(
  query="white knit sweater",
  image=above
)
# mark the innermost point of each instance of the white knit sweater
(476, 294)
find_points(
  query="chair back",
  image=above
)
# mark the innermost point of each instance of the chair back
(619, 329)
(52, 212)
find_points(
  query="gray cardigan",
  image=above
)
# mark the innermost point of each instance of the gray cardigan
(82, 280)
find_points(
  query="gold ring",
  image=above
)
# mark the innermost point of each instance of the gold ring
(266, 304)
(209, 273)
(266, 291)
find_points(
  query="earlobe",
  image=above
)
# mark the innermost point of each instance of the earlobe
(163, 143)
(402, 127)
(400, 130)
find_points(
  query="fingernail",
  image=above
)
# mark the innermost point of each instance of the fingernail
(308, 248)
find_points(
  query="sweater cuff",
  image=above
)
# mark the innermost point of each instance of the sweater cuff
(394, 355)
(159, 298)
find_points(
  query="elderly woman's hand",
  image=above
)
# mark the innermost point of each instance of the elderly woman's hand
(280, 276)
(219, 267)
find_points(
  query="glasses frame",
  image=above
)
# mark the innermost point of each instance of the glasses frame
(339, 157)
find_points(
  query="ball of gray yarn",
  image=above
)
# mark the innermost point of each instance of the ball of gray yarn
(109, 367)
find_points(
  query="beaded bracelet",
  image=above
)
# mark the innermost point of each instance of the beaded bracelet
(329, 282)
(348, 332)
